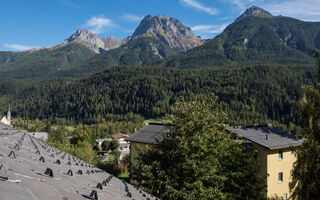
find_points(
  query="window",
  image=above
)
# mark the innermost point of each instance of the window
(284, 196)
(280, 155)
(280, 177)
(248, 147)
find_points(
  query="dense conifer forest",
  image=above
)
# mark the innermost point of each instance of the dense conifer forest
(253, 94)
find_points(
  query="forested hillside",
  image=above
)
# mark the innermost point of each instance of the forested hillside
(255, 40)
(141, 51)
(42, 63)
(247, 94)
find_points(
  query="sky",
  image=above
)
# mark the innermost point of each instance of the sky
(29, 24)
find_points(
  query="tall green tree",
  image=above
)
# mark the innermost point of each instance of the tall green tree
(114, 145)
(305, 177)
(105, 145)
(198, 159)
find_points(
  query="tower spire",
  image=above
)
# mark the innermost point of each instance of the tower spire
(9, 116)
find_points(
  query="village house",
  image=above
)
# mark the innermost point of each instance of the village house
(40, 135)
(274, 149)
(124, 146)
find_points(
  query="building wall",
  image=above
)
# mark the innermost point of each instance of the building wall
(135, 148)
(262, 160)
(275, 166)
(271, 165)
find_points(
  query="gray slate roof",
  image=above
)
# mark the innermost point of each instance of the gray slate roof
(149, 134)
(22, 174)
(267, 136)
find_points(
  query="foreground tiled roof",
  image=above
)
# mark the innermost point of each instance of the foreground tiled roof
(33, 170)
(267, 136)
(149, 134)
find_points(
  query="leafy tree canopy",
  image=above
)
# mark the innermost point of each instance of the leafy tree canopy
(306, 183)
(198, 159)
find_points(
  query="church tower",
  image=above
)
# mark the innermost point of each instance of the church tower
(9, 116)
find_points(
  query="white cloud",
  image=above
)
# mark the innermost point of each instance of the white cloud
(198, 6)
(304, 10)
(209, 30)
(131, 17)
(18, 47)
(244, 4)
(98, 24)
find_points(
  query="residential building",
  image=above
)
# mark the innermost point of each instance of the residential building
(40, 135)
(275, 155)
(274, 149)
(99, 141)
(144, 139)
(124, 146)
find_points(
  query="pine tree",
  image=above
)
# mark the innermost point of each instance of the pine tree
(198, 159)
(305, 177)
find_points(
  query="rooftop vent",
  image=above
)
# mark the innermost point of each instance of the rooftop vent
(41, 159)
(48, 172)
(3, 173)
(12, 154)
(17, 147)
(93, 195)
(99, 186)
(70, 172)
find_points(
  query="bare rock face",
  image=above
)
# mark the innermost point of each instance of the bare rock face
(112, 42)
(255, 11)
(94, 42)
(169, 30)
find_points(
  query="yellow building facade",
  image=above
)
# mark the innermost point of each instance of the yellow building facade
(274, 149)
(275, 155)
(276, 166)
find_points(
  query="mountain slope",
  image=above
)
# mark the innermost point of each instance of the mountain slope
(247, 94)
(42, 63)
(84, 52)
(140, 51)
(256, 37)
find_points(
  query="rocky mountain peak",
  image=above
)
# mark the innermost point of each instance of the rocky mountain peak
(93, 41)
(255, 11)
(169, 30)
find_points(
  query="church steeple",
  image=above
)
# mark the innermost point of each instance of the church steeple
(9, 116)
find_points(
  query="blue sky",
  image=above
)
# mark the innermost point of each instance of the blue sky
(38, 23)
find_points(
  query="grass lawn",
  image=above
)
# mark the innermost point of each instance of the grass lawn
(124, 176)
(69, 128)
(110, 158)
(161, 121)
